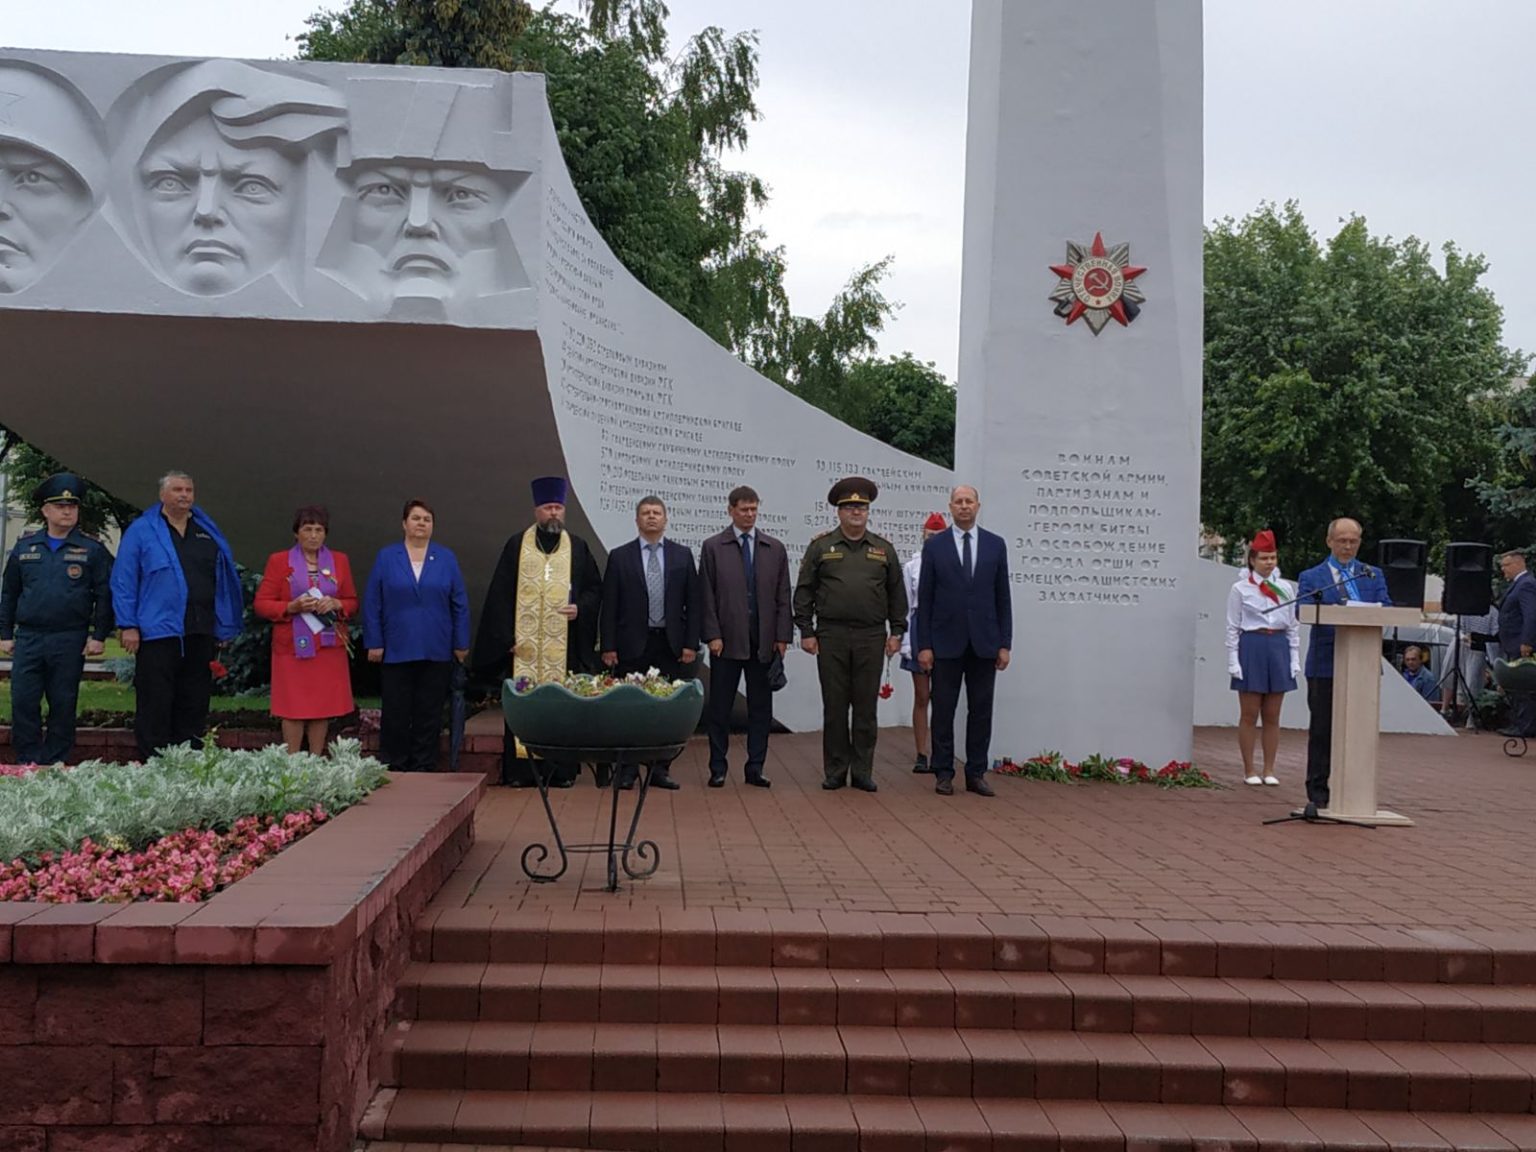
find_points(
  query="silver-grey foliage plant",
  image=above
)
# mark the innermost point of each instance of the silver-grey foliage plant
(54, 809)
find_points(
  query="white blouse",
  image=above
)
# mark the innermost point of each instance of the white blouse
(1245, 612)
(911, 571)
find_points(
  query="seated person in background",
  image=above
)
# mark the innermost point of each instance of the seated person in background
(1420, 677)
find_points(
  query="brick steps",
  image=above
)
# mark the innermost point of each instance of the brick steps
(782, 939)
(1048, 1001)
(700, 1122)
(947, 1062)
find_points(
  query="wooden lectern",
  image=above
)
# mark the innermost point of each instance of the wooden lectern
(1357, 704)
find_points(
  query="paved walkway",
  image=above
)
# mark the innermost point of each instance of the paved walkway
(1051, 849)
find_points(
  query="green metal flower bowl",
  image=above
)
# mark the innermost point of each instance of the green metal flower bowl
(1515, 675)
(622, 717)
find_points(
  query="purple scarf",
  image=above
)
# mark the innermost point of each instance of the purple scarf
(298, 584)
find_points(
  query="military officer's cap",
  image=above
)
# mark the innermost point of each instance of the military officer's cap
(852, 490)
(60, 488)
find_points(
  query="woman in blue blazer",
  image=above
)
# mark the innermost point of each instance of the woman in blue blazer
(416, 624)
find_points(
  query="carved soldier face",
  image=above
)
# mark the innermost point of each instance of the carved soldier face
(216, 216)
(423, 222)
(42, 204)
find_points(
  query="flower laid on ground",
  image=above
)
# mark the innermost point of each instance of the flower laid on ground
(588, 684)
(129, 807)
(19, 769)
(1055, 767)
(185, 867)
(217, 669)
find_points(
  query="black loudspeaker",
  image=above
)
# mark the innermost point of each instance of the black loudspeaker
(1468, 579)
(1402, 563)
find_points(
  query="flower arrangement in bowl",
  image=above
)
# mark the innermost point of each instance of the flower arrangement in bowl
(584, 710)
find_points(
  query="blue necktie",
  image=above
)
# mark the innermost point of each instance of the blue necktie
(750, 571)
(654, 587)
(965, 556)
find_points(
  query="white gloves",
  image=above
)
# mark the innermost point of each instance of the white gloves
(1234, 669)
(1295, 669)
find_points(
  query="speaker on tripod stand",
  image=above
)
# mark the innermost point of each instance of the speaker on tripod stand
(1468, 592)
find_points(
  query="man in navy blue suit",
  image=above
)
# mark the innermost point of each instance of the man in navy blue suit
(651, 610)
(964, 633)
(1340, 578)
(1517, 635)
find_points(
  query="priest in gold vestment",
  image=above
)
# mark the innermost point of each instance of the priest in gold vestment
(540, 617)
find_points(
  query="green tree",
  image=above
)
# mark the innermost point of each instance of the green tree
(910, 406)
(643, 134)
(1508, 492)
(1352, 378)
(26, 467)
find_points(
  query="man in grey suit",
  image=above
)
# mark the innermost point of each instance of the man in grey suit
(746, 622)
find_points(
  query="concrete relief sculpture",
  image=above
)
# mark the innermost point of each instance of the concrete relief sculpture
(52, 170)
(421, 232)
(209, 172)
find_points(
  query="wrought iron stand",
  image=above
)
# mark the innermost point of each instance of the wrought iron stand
(619, 852)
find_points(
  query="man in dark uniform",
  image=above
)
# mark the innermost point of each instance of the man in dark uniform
(55, 610)
(851, 609)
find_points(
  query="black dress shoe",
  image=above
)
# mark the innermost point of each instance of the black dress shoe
(922, 768)
(979, 786)
(945, 788)
(664, 782)
(866, 786)
(603, 773)
(718, 781)
(831, 785)
(759, 781)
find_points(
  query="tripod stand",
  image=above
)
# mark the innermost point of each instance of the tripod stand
(1310, 815)
(1458, 680)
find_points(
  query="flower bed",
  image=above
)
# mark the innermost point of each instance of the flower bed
(1055, 767)
(178, 828)
(587, 685)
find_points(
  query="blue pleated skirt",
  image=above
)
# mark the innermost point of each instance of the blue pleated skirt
(1266, 661)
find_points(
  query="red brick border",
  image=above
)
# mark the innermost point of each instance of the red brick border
(245, 1022)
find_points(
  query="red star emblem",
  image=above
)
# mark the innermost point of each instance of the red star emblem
(1095, 283)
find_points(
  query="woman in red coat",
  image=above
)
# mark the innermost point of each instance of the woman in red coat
(308, 594)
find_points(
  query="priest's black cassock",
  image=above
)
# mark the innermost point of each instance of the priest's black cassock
(491, 658)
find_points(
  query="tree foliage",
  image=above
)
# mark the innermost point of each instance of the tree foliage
(26, 467)
(1352, 378)
(643, 134)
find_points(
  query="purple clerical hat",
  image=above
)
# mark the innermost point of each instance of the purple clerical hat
(549, 490)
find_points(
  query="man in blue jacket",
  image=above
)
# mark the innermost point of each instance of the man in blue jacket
(963, 635)
(1517, 635)
(1340, 578)
(177, 597)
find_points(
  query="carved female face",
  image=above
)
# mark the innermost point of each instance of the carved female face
(216, 216)
(42, 204)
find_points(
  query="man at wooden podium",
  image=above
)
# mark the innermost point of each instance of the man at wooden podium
(1339, 579)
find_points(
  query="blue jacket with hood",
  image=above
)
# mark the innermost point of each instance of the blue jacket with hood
(149, 589)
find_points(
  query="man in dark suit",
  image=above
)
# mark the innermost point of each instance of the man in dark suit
(746, 622)
(964, 634)
(1517, 636)
(651, 610)
(1338, 579)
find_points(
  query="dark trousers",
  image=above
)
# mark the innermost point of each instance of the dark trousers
(412, 694)
(45, 664)
(1522, 705)
(979, 675)
(1319, 738)
(724, 677)
(849, 663)
(657, 655)
(172, 684)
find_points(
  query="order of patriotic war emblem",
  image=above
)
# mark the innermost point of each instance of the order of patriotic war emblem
(1096, 286)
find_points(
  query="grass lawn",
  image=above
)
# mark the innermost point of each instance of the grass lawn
(109, 696)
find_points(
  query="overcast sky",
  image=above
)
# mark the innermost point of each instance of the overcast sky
(1416, 114)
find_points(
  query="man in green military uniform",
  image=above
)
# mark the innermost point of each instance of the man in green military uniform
(55, 610)
(851, 609)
